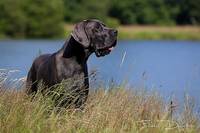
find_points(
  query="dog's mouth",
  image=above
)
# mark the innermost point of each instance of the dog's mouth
(106, 50)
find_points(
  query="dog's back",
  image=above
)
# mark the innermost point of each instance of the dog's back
(32, 77)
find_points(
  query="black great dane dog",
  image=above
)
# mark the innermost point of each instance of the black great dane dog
(70, 61)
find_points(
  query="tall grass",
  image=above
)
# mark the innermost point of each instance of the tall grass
(113, 110)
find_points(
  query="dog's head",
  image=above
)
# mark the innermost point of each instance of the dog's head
(94, 34)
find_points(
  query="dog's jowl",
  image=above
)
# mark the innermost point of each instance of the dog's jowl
(70, 62)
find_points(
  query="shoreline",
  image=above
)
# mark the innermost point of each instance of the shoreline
(160, 32)
(138, 32)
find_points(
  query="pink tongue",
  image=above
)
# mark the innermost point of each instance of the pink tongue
(111, 48)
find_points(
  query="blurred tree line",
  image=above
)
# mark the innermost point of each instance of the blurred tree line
(45, 18)
(31, 18)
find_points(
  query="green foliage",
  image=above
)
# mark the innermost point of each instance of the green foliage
(31, 18)
(112, 22)
(45, 18)
(189, 12)
(158, 12)
(140, 12)
(12, 17)
(78, 10)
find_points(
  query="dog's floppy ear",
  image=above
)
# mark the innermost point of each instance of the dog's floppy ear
(80, 35)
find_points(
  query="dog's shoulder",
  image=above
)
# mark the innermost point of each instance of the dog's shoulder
(42, 59)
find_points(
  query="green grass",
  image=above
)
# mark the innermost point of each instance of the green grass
(158, 36)
(116, 110)
(159, 32)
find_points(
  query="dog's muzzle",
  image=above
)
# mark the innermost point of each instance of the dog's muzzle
(106, 50)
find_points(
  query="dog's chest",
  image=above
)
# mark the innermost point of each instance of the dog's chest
(69, 68)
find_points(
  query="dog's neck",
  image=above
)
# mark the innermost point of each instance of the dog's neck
(72, 48)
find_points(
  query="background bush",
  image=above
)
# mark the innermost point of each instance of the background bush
(45, 18)
(31, 18)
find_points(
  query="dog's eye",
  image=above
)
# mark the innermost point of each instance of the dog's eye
(97, 26)
(96, 30)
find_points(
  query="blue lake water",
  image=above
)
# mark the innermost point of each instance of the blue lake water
(171, 67)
